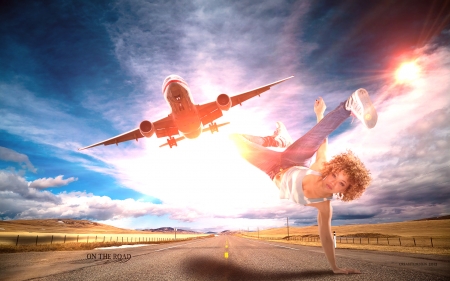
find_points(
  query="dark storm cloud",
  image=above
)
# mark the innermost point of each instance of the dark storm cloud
(358, 39)
(417, 182)
(344, 213)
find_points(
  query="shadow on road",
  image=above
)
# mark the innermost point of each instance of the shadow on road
(209, 269)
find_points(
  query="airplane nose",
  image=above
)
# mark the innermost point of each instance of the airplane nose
(176, 91)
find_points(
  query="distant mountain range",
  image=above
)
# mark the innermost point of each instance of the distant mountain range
(168, 230)
(447, 217)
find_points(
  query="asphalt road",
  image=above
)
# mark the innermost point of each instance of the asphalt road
(219, 258)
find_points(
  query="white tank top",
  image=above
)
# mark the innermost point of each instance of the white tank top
(291, 186)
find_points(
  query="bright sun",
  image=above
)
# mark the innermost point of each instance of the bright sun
(407, 72)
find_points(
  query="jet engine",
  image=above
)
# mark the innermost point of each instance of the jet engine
(223, 102)
(146, 128)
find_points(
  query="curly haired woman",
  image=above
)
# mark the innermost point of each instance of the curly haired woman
(314, 185)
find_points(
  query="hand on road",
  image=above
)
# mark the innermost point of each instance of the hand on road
(319, 106)
(346, 271)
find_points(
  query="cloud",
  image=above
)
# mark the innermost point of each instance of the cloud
(18, 201)
(7, 154)
(51, 182)
(13, 186)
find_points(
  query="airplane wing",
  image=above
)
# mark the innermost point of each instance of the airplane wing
(239, 99)
(163, 127)
(209, 111)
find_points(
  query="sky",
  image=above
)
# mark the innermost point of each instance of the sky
(73, 73)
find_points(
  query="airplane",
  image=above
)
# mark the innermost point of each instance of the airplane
(186, 118)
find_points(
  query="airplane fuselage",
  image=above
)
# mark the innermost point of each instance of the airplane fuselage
(184, 112)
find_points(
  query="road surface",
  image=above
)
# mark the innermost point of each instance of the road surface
(219, 258)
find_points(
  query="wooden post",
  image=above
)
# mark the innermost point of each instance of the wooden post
(400, 241)
(287, 224)
(51, 242)
(65, 239)
(414, 239)
(17, 241)
(37, 239)
(431, 239)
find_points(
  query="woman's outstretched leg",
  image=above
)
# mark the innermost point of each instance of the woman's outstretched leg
(280, 138)
(251, 149)
(302, 150)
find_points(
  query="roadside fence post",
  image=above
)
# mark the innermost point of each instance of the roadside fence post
(431, 239)
(414, 239)
(37, 239)
(64, 239)
(17, 241)
(51, 242)
(400, 241)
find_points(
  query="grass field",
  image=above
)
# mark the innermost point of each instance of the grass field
(424, 233)
(53, 234)
(62, 226)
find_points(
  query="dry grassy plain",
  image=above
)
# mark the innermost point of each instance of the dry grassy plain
(422, 231)
(61, 226)
(48, 235)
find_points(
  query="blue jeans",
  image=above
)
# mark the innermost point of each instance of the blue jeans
(298, 153)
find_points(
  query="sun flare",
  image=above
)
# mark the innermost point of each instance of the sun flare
(407, 72)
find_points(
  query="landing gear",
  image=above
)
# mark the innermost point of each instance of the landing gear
(172, 142)
(213, 127)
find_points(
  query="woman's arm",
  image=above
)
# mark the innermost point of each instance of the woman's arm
(321, 154)
(326, 238)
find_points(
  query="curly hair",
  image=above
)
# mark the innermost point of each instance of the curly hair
(359, 177)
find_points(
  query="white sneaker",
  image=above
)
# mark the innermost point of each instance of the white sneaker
(281, 135)
(361, 106)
